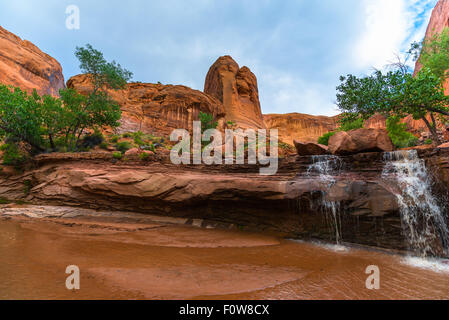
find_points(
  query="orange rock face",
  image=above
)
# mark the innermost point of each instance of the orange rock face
(438, 21)
(301, 127)
(237, 89)
(23, 65)
(156, 108)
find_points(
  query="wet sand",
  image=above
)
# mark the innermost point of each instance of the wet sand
(166, 261)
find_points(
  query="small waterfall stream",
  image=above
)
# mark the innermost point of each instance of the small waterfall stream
(327, 167)
(422, 217)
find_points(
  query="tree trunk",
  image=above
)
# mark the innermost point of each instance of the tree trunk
(433, 131)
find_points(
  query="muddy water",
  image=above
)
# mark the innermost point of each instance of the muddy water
(178, 262)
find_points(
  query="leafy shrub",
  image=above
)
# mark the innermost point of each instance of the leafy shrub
(127, 135)
(144, 156)
(324, 140)
(12, 156)
(428, 142)
(207, 121)
(114, 139)
(104, 145)
(399, 135)
(123, 146)
(349, 125)
(138, 140)
(92, 140)
(117, 155)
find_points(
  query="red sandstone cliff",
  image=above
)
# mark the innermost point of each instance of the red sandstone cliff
(301, 127)
(23, 65)
(438, 21)
(237, 89)
(157, 108)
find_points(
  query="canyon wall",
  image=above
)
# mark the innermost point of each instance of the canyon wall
(24, 65)
(438, 21)
(301, 127)
(155, 108)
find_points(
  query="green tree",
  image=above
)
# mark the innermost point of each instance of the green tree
(20, 116)
(41, 121)
(398, 133)
(207, 121)
(96, 108)
(395, 93)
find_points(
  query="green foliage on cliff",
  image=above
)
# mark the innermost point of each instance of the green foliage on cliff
(207, 121)
(434, 54)
(47, 123)
(12, 155)
(399, 135)
(324, 140)
(347, 123)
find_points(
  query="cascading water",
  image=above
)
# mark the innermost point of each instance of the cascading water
(422, 217)
(327, 167)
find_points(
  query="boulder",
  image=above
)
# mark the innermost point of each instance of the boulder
(444, 146)
(360, 140)
(236, 88)
(310, 149)
(24, 65)
(132, 152)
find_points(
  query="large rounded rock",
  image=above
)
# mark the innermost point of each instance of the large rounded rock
(361, 140)
(310, 149)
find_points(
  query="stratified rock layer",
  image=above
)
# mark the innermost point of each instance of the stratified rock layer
(24, 65)
(290, 202)
(301, 127)
(237, 89)
(157, 108)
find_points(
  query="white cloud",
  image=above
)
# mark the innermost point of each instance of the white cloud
(391, 25)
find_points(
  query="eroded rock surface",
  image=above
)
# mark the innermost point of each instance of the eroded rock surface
(301, 127)
(24, 65)
(237, 89)
(291, 202)
(157, 108)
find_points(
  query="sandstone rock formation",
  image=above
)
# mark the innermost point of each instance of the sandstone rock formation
(438, 21)
(237, 89)
(24, 65)
(310, 149)
(155, 108)
(301, 127)
(361, 140)
(289, 203)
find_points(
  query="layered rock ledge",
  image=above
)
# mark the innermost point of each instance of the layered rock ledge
(288, 203)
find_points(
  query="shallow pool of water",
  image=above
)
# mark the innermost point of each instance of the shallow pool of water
(178, 262)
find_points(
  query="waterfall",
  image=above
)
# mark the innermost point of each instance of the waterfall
(327, 167)
(422, 217)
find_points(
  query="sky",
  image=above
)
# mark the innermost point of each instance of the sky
(297, 48)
